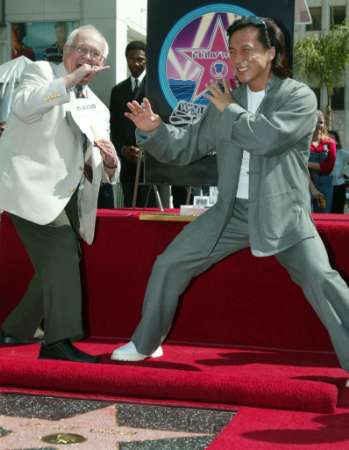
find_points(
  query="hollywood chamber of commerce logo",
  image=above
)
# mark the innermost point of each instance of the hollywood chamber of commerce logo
(194, 52)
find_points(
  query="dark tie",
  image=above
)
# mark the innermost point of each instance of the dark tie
(135, 92)
(88, 172)
(136, 85)
(79, 91)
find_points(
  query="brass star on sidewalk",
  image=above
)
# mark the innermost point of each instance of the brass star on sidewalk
(99, 427)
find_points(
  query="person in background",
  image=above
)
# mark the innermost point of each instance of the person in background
(321, 162)
(49, 182)
(18, 47)
(123, 130)
(338, 178)
(54, 53)
(261, 132)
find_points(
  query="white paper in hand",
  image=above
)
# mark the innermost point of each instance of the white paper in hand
(90, 117)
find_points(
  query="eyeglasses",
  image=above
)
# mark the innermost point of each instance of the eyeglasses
(260, 22)
(94, 54)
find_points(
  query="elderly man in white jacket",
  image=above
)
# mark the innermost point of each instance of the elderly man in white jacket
(53, 156)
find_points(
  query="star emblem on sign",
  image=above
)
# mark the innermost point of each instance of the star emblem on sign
(212, 61)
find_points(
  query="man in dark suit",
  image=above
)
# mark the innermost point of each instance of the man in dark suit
(122, 129)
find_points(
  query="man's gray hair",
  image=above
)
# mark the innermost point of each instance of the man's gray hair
(88, 29)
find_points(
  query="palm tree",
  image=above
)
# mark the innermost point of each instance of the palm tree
(321, 60)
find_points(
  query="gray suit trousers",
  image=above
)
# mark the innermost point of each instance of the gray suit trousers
(54, 293)
(306, 262)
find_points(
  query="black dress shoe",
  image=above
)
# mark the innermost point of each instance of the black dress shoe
(7, 339)
(66, 351)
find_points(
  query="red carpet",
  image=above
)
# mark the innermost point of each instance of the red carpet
(286, 399)
(255, 302)
(263, 429)
(261, 378)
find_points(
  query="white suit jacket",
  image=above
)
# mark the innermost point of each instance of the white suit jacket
(41, 152)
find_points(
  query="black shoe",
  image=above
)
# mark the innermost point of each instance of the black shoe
(65, 350)
(7, 339)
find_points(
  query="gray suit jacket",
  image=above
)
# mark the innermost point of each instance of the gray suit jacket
(278, 140)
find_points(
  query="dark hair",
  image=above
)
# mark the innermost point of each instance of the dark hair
(135, 45)
(271, 34)
(335, 134)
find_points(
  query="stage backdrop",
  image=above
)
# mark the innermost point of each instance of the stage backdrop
(186, 47)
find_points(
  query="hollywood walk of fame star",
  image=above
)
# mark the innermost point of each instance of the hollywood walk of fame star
(100, 427)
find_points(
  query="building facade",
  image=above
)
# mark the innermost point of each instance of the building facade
(123, 20)
(325, 14)
(119, 20)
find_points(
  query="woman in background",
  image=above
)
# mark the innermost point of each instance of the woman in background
(321, 162)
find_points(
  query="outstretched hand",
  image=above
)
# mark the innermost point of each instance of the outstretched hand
(142, 115)
(220, 98)
(83, 74)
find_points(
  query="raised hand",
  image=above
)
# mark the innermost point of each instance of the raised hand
(83, 74)
(220, 98)
(142, 115)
